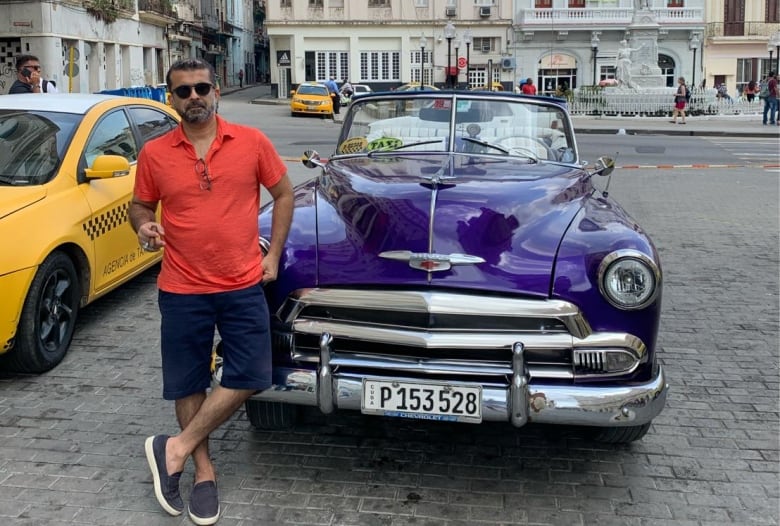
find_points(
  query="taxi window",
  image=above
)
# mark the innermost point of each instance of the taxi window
(151, 123)
(112, 136)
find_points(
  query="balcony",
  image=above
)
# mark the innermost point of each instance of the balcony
(737, 30)
(158, 12)
(599, 16)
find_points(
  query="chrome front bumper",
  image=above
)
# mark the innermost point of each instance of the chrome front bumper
(519, 402)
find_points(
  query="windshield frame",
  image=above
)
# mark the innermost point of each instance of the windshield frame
(542, 121)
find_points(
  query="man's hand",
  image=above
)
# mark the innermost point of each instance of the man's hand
(270, 267)
(150, 236)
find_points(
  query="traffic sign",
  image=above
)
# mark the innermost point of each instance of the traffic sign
(461, 62)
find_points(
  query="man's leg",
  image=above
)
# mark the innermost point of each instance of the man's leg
(186, 408)
(215, 410)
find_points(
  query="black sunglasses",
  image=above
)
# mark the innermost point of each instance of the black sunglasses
(185, 90)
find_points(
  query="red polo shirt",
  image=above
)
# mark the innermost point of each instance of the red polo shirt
(210, 235)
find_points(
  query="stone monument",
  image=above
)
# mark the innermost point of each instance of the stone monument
(637, 59)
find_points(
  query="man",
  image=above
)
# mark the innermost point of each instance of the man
(770, 101)
(528, 88)
(207, 175)
(240, 78)
(333, 89)
(28, 75)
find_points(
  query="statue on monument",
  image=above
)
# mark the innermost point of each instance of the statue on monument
(623, 64)
(643, 5)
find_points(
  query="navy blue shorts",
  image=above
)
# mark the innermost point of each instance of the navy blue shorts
(187, 339)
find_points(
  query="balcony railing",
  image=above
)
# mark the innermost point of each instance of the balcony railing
(741, 29)
(607, 16)
(163, 7)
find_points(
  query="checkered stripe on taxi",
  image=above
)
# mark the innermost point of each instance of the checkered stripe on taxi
(107, 221)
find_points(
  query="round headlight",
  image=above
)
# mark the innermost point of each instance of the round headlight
(629, 279)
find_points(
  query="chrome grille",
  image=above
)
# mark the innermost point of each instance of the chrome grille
(442, 333)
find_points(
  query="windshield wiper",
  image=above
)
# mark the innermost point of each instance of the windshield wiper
(402, 146)
(11, 180)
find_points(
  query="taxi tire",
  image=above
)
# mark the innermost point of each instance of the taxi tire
(271, 415)
(30, 354)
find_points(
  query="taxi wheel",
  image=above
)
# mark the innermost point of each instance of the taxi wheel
(271, 415)
(48, 317)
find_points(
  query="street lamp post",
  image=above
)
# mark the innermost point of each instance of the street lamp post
(467, 39)
(776, 41)
(423, 42)
(594, 45)
(693, 45)
(457, 74)
(449, 34)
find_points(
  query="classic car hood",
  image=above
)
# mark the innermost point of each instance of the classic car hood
(512, 219)
(14, 198)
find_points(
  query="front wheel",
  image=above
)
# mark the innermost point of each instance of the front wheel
(48, 317)
(620, 435)
(271, 415)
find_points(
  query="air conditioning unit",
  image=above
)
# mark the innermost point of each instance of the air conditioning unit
(484, 11)
(486, 47)
(508, 63)
(450, 11)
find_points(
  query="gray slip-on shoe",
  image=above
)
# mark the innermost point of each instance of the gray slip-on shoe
(204, 503)
(166, 487)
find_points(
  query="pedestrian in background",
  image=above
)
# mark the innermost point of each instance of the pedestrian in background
(207, 176)
(751, 90)
(333, 89)
(770, 101)
(28, 75)
(240, 78)
(528, 88)
(680, 100)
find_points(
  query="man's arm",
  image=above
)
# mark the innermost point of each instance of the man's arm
(143, 219)
(281, 218)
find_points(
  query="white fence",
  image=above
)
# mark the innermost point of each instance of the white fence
(655, 102)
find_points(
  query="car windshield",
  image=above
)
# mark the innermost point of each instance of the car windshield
(308, 89)
(465, 123)
(32, 145)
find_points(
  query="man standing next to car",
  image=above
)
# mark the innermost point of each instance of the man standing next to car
(207, 175)
(333, 89)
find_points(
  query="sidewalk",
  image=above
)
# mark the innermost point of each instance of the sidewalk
(717, 125)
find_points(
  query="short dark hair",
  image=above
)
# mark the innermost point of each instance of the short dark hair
(191, 64)
(21, 60)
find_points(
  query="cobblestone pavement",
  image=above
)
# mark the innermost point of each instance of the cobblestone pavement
(71, 441)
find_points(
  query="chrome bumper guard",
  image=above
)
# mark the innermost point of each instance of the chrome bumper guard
(519, 402)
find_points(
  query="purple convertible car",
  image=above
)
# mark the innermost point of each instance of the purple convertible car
(453, 260)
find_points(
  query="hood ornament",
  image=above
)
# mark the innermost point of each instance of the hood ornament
(431, 262)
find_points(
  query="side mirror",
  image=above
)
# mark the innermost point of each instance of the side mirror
(311, 159)
(107, 167)
(292, 93)
(604, 166)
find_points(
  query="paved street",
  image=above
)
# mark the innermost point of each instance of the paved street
(71, 441)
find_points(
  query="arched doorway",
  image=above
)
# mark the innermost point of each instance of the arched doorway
(667, 65)
(556, 69)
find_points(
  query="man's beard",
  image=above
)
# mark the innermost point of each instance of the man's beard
(197, 113)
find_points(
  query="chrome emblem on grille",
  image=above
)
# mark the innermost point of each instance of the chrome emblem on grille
(431, 262)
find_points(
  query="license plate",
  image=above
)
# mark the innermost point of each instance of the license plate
(425, 401)
(311, 108)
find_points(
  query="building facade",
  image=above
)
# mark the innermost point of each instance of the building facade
(386, 43)
(94, 45)
(742, 42)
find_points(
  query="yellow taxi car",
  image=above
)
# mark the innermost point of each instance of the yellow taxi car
(311, 98)
(67, 168)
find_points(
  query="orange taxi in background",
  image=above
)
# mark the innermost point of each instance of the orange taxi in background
(67, 169)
